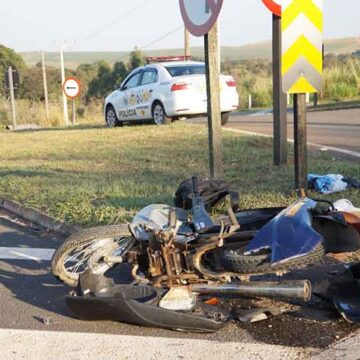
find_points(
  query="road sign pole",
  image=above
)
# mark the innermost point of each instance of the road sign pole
(279, 98)
(302, 67)
(73, 112)
(187, 50)
(300, 141)
(12, 96)
(213, 96)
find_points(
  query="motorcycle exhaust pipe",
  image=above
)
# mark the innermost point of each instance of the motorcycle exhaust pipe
(293, 289)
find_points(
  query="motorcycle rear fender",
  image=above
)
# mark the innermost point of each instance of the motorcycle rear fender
(289, 235)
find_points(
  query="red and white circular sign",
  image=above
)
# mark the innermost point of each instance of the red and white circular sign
(274, 6)
(200, 15)
(71, 87)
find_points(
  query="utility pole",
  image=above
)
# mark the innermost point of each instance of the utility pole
(213, 100)
(279, 98)
(12, 96)
(187, 51)
(45, 86)
(65, 106)
(300, 141)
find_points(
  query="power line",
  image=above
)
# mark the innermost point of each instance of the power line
(110, 24)
(151, 43)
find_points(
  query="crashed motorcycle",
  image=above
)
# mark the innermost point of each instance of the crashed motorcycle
(176, 257)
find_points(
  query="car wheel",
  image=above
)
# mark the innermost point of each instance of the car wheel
(111, 118)
(159, 115)
(225, 118)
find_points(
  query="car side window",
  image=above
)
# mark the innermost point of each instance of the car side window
(133, 81)
(149, 77)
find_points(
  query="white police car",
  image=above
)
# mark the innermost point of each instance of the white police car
(167, 91)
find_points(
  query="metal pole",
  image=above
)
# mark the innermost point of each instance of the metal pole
(65, 106)
(187, 50)
(279, 99)
(12, 96)
(45, 86)
(214, 110)
(73, 112)
(300, 141)
(292, 289)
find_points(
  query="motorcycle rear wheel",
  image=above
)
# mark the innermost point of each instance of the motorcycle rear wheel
(87, 248)
(235, 261)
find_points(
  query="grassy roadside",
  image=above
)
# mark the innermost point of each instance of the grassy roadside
(95, 175)
(338, 105)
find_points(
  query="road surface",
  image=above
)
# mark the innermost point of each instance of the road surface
(338, 128)
(35, 323)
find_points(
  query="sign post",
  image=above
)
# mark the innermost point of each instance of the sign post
(71, 89)
(302, 64)
(279, 97)
(200, 17)
(12, 96)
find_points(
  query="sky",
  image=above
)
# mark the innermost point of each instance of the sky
(120, 25)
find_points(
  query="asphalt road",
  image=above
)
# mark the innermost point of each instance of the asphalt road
(32, 299)
(340, 128)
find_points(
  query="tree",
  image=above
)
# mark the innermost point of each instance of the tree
(102, 84)
(137, 58)
(106, 79)
(9, 57)
(32, 87)
(119, 73)
(86, 73)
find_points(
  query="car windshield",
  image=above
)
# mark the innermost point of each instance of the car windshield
(183, 70)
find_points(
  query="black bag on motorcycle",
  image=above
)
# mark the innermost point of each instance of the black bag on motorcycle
(211, 192)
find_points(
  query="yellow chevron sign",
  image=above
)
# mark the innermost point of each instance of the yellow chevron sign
(302, 40)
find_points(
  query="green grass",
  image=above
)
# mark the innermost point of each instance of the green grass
(95, 175)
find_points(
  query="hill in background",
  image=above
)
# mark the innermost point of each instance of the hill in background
(261, 50)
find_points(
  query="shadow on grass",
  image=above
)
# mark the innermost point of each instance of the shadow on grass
(85, 127)
(65, 128)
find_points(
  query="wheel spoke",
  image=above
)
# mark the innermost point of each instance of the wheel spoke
(76, 255)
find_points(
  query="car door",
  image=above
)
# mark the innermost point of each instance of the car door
(129, 90)
(149, 81)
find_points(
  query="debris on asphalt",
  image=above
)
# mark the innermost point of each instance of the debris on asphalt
(256, 315)
(46, 320)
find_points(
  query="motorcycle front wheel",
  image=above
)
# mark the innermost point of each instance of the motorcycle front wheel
(87, 249)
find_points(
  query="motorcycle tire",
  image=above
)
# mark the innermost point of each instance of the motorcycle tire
(235, 261)
(97, 240)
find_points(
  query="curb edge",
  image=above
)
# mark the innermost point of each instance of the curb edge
(39, 218)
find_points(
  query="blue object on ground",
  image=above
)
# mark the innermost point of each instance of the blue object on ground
(327, 184)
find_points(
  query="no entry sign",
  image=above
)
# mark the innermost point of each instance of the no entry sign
(274, 6)
(200, 15)
(71, 87)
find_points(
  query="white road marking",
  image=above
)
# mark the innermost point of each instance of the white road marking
(44, 345)
(319, 146)
(17, 253)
